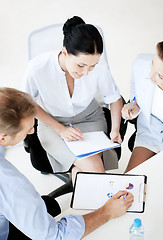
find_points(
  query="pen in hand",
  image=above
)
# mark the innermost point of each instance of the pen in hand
(78, 132)
(70, 124)
(132, 102)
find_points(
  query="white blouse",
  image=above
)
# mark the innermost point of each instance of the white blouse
(46, 82)
(157, 106)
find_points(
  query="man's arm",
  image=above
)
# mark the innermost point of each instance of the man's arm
(114, 207)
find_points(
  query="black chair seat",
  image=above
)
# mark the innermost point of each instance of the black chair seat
(41, 162)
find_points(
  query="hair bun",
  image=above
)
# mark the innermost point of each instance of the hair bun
(72, 22)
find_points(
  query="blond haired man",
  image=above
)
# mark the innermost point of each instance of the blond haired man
(19, 201)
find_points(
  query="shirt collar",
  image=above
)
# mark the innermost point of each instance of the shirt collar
(56, 54)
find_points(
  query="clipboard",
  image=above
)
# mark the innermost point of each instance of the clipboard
(92, 190)
(92, 143)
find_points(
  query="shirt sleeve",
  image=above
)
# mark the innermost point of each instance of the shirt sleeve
(2, 151)
(29, 84)
(24, 207)
(106, 85)
(73, 227)
(132, 81)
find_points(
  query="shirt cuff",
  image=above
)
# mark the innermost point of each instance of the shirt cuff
(75, 227)
(111, 99)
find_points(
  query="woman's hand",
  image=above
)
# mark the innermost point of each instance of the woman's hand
(115, 110)
(132, 114)
(115, 136)
(67, 133)
(70, 133)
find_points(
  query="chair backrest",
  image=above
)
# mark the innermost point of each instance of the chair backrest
(45, 39)
(50, 38)
(131, 140)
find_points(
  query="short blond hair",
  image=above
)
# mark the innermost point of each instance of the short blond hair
(159, 48)
(15, 105)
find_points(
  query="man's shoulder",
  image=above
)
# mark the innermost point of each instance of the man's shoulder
(12, 180)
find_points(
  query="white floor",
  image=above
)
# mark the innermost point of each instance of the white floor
(44, 184)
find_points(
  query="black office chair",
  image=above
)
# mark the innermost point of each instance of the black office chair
(40, 161)
(131, 140)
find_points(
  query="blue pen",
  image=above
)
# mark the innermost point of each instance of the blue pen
(132, 102)
(70, 124)
(124, 196)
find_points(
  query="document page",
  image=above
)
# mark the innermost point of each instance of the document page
(92, 190)
(92, 143)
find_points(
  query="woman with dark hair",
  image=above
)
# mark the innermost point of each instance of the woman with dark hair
(66, 83)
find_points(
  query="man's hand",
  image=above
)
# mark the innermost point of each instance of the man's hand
(118, 204)
(114, 207)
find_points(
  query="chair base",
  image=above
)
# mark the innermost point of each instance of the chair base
(66, 188)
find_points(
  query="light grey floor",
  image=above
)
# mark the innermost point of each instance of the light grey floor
(44, 184)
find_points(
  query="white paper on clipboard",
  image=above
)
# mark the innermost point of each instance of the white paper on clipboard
(92, 190)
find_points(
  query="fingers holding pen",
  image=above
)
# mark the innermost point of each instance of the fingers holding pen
(129, 198)
(130, 110)
(124, 195)
(126, 199)
(76, 134)
(119, 203)
(126, 114)
(71, 133)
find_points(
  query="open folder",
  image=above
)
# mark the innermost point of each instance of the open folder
(92, 143)
(92, 190)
